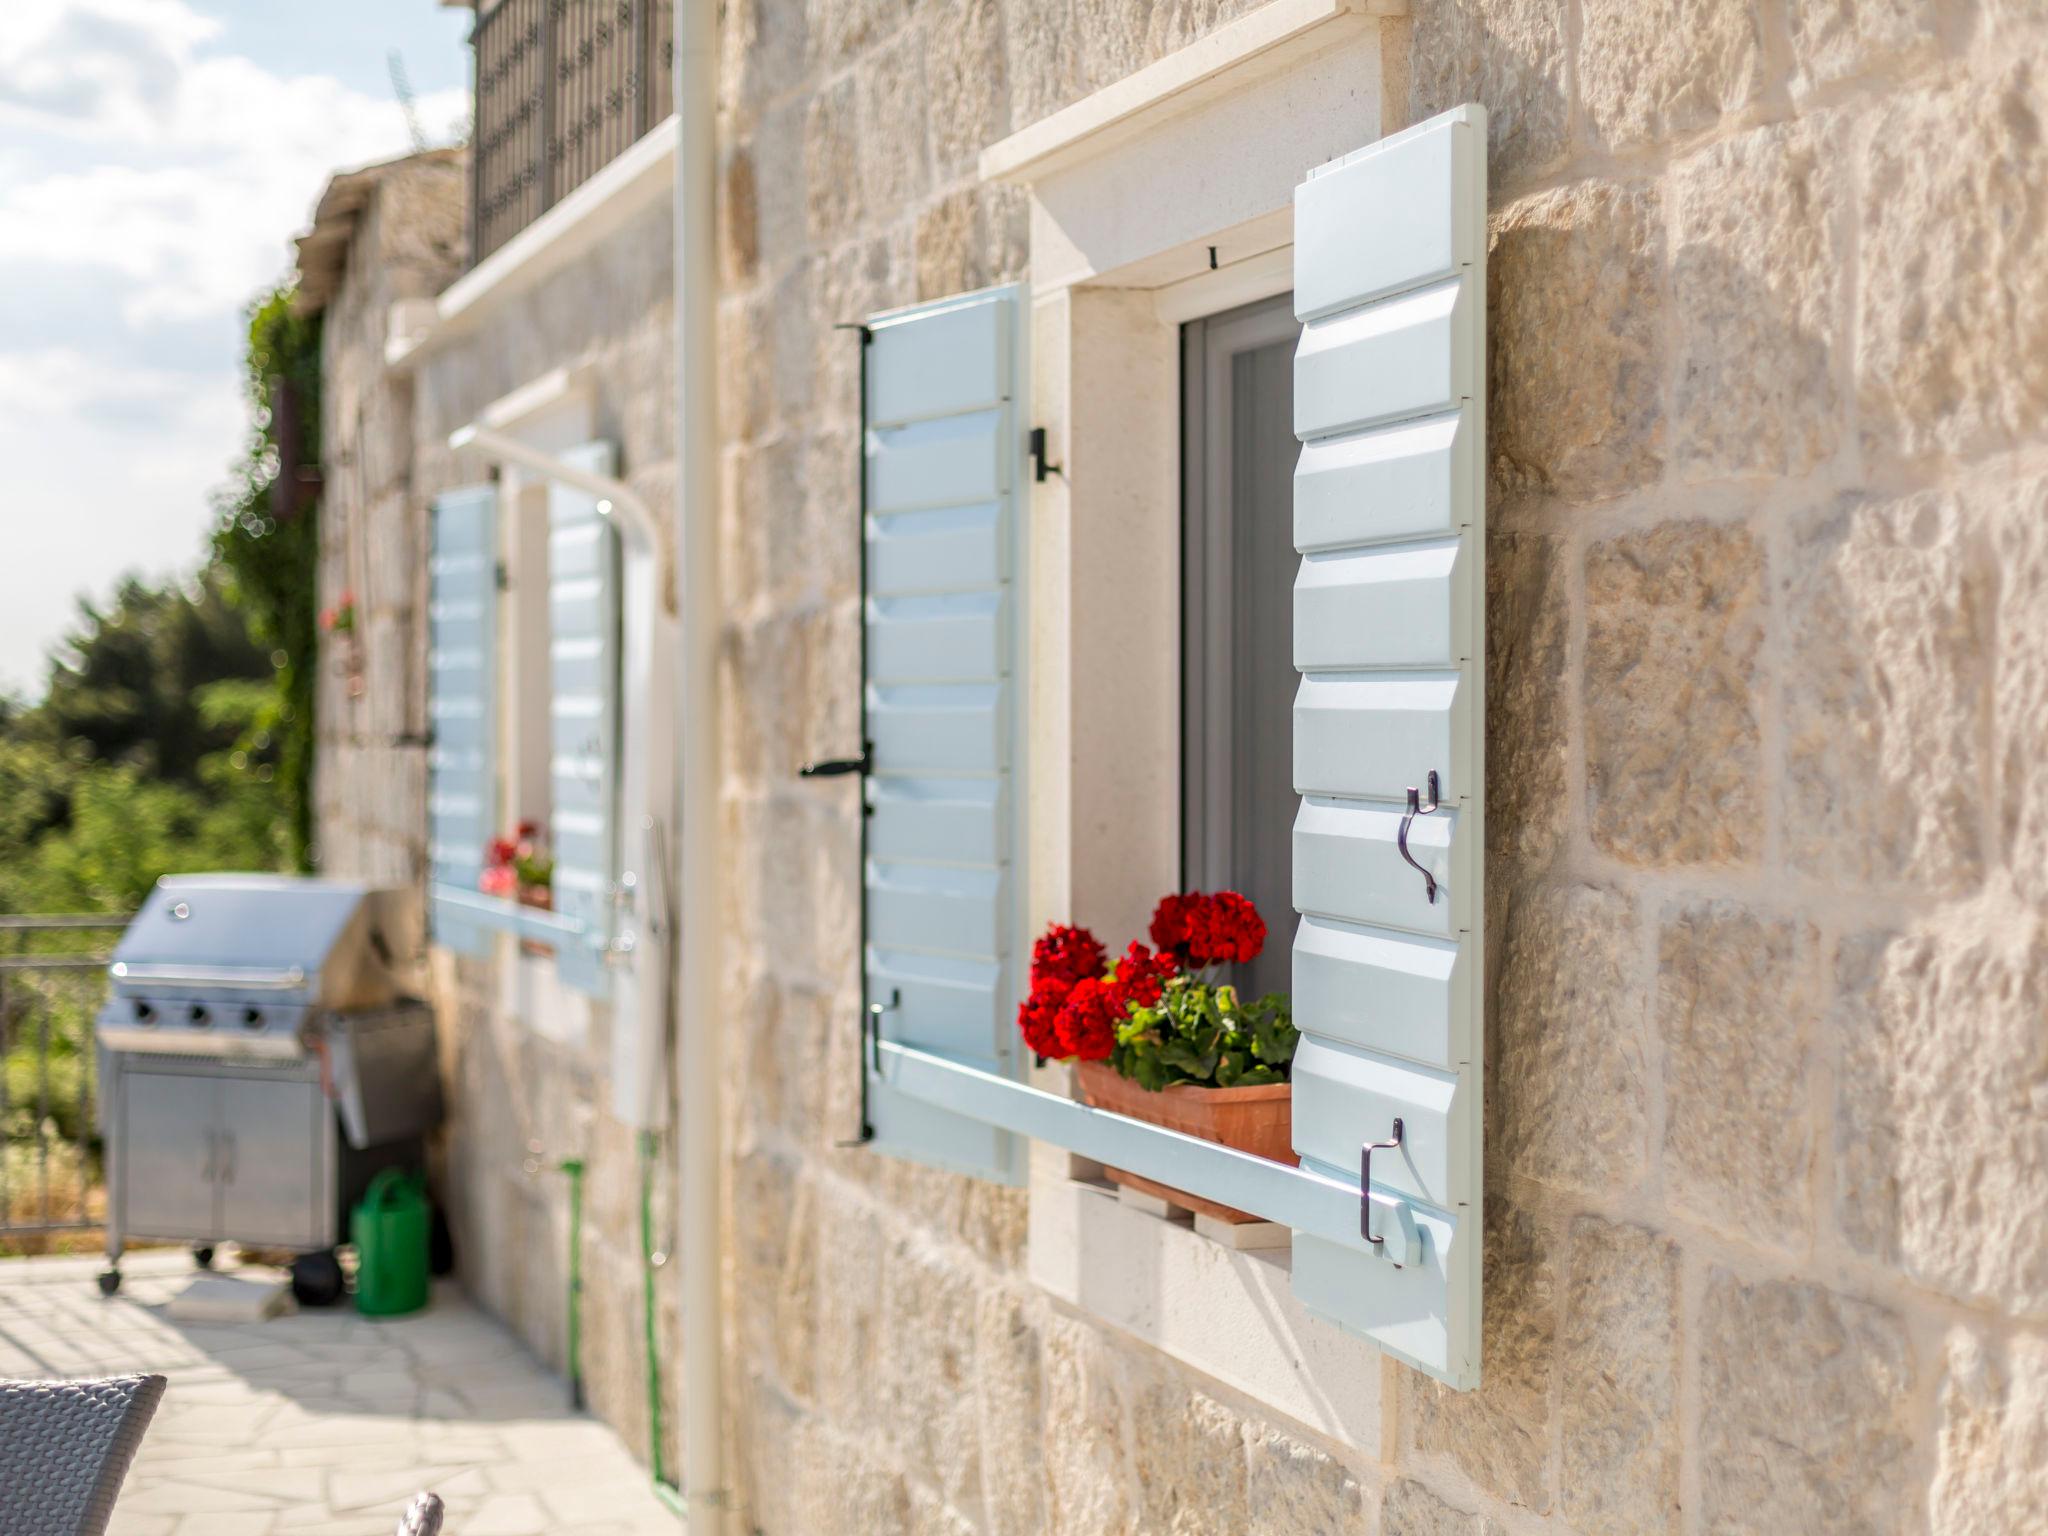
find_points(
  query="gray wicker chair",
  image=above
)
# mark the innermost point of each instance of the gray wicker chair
(65, 1446)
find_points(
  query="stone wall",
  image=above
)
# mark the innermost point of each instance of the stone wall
(1767, 1243)
(370, 707)
(522, 1100)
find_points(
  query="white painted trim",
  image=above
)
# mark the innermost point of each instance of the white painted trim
(643, 176)
(1230, 1314)
(1266, 40)
(1209, 293)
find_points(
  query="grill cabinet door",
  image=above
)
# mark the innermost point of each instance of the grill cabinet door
(462, 603)
(943, 695)
(583, 715)
(1389, 520)
(275, 1141)
(168, 1149)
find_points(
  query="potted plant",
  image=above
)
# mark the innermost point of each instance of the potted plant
(340, 620)
(519, 868)
(1160, 1036)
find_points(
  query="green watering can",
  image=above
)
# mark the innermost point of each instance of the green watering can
(389, 1229)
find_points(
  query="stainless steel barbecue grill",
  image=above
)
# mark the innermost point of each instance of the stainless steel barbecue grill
(261, 1057)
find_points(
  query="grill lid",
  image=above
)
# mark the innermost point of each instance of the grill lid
(280, 938)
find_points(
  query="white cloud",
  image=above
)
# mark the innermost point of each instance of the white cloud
(148, 162)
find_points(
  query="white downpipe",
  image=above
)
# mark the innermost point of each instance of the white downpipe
(706, 1497)
(641, 959)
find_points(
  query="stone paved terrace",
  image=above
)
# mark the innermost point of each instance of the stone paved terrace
(325, 1421)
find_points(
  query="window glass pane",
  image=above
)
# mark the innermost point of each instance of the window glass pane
(1238, 567)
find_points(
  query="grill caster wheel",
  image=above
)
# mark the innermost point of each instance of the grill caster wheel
(110, 1281)
(317, 1279)
(202, 1255)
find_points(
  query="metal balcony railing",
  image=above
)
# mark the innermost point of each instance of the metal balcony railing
(562, 87)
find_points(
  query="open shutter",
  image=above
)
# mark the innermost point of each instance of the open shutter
(1389, 638)
(583, 716)
(462, 602)
(942, 658)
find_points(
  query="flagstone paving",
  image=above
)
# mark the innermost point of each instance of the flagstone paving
(326, 1422)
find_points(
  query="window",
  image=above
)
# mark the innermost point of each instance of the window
(1237, 616)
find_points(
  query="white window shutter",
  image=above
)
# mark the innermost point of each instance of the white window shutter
(944, 647)
(583, 716)
(462, 603)
(1389, 638)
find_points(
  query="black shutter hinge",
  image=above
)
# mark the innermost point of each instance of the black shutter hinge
(867, 336)
(835, 767)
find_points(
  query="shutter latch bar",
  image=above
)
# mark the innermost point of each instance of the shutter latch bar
(871, 1061)
(1365, 1171)
(1417, 808)
(834, 767)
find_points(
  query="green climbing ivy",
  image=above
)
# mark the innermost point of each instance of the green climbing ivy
(269, 561)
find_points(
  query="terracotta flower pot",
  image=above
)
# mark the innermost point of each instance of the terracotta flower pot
(1258, 1120)
(543, 897)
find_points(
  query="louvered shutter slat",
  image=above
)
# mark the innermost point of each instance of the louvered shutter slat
(462, 576)
(942, 688)
(583, 716)
(1389, 640)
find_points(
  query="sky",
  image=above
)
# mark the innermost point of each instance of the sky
(156, 157)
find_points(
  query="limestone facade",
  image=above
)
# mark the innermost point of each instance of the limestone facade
(1767, 1237)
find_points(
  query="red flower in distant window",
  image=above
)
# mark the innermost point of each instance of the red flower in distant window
(1141, 977)
(1067, 954)
(1170, 923)
(1225, 928)
(1088, 1019)
(1038, 1016)
(502, 850)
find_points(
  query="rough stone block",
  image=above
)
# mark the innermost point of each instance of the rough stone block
(1567, 1089)
(1507, 54)
(1411, 1509)
(1952, 296)
(832, 161)
(1832, 40)
(895, 126)
(1653, 70)
(1618, 1382)
(1528, 757)
(1044, 50)
(1500, 1435)
(1296, 1488)
(1991, 1472)
(928, 1370)
(1735, 1005)
(967, 73)
(1756, 263)
(1941, 1150)
(1885, 701)
(2020, 692)
(1583, 261)
(1672, 685)
(1191, 1463)
(1802, 1396)
(1087, 1447)
(971, 239)
(1010, 1399)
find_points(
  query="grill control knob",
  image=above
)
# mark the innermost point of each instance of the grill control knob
(199, 1017)
(144, 1014)
(252, 1018)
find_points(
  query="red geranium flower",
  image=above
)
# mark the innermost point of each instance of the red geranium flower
(1141, 977)
(1170, 923)
(502, 850)
(1038, 1016)
(1088, 1019)
(1067, 954)
(1225, 928)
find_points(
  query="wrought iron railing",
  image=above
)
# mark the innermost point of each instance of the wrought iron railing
(562, 87)
(53, 977)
